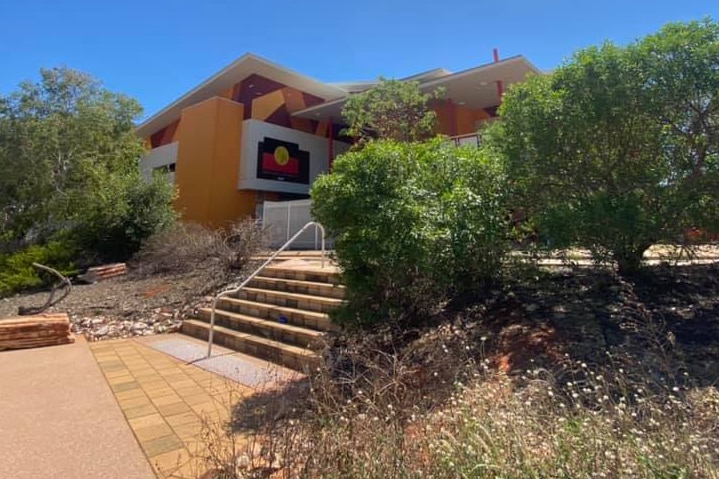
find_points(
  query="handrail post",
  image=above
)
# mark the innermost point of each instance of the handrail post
(322, 230)
(210, 336)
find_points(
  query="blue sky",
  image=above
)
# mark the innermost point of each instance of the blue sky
(156, 50)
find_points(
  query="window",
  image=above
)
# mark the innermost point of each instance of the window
(166, 168)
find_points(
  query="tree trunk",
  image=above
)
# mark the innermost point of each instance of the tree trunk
(630, 261)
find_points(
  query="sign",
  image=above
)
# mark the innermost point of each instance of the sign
(282, 161)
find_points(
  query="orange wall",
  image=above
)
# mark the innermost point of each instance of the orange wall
(210, 135)
(208, 164)
(454, 119)
(226, 202)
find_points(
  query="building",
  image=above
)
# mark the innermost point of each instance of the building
(258, 132)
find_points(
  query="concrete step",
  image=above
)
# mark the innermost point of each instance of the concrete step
(272, 330)
(329, 275)
(291, 300)
(299, 359)
(291, 255)
(296, 317)
(328, 290)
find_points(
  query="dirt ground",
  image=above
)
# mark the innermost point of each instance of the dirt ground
(667, 318)
(662, 325)
(122, 307)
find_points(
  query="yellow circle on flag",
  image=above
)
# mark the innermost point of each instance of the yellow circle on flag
(282, 156)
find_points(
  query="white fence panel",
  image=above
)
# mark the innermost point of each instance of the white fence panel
(283, 219)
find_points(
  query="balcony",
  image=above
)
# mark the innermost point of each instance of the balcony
(162, 159)
(461, 140)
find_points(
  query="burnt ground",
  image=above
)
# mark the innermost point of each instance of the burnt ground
(664, 322)
(659, 329)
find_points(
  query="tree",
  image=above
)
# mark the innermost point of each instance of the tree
(392, 110)
(617, 149)
(413, 224)
(69, 155)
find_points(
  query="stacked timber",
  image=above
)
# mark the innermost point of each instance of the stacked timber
(35, 331)
(101, 273)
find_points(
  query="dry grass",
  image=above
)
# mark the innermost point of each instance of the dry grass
(490, 425)
(437, 404)
(188, 247)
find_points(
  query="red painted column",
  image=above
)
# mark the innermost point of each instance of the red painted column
(452, 118)
(500, 86)
(330, 145)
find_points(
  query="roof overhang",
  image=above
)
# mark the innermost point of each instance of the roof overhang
(237, 71)
(475, 88)
(360, 86)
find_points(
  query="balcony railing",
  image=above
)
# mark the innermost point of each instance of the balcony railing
(461, 140)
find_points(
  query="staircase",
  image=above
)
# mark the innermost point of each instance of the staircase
(279, 316)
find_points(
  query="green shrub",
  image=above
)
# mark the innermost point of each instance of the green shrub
(617, 150)
(127, 212)
(413, 224)
(69, 163)
(17, 272)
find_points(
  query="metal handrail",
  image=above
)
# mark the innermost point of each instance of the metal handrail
(257, 271)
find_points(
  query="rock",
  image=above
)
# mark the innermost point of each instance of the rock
(530, 308)
(104, 331)
(139, 326)
(97, 321)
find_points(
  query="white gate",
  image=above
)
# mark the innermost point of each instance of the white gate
(282, 219)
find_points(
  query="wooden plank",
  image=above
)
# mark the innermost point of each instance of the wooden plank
(25, 344)
(22, 332)
(102, 272)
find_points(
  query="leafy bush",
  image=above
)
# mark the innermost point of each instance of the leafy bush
(17, 272)
(127, 211)
(69, 161)
(413, 224)
(617, 150)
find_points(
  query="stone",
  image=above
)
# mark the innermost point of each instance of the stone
(104, 331)
(531, 307)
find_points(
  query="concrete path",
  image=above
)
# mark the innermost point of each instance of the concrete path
(59, 418)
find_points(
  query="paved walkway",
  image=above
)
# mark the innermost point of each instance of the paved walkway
(58, 418)
(170, 403)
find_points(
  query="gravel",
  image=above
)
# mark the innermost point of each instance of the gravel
(124, 307)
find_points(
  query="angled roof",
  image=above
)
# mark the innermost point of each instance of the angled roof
(360, 86)
(474, 87)
(237, 71)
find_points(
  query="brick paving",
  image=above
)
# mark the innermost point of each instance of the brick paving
(165, 401)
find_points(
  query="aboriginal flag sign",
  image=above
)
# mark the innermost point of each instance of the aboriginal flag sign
(282, 161)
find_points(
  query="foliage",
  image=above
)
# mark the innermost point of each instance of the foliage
(69, 160)
(124, 213)
(413, 224)
(17, 272)
(618, 149)
(392, 110)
